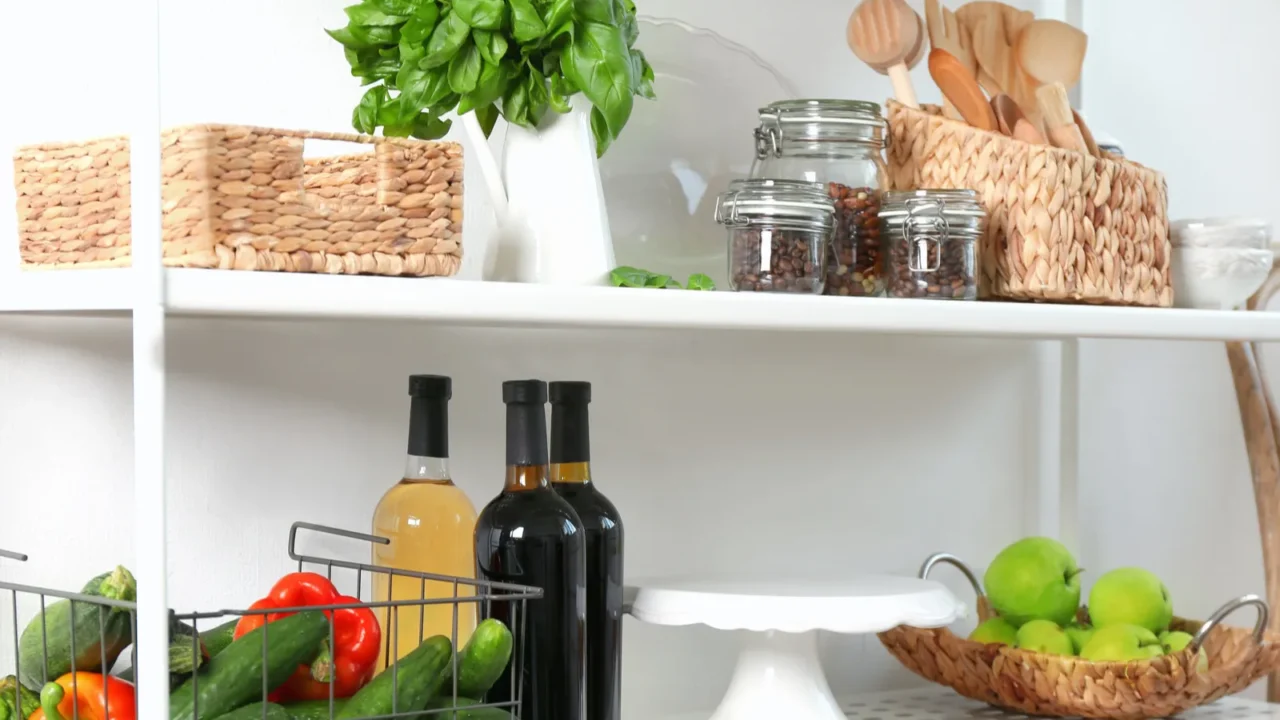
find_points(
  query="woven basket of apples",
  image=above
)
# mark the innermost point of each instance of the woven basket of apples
(1124, 656)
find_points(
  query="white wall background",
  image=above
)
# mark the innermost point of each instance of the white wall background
(727, 453)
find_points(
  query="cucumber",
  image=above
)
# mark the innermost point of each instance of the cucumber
(234, 677)
(482, 661)
(217, 639)
(99, 631)
(463, 712)
(185, 656)
(257, 711)
(313, 709)
(26, 701)
(418, 676)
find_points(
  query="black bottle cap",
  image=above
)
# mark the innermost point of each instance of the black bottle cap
(526, 422)
(570, 424)
(429, 415)
(431, 386)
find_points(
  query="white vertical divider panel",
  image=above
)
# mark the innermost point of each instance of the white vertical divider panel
(1052, 505)
(150, 540)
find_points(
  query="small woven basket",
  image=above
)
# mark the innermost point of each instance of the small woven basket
(246, 198)
(1062, 226)
(1055, 685)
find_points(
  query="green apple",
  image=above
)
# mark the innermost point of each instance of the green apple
(1122, 643)
(1175, 640)
(1130, 596)
(1034, 579)
(995, 630)
(1079, 635)
(1044, 636)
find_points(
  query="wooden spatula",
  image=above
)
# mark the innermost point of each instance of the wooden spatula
(1063, 131)
(958, 86)
(1012, 19)
(1051, 51)
(993, 54)
(883, 34)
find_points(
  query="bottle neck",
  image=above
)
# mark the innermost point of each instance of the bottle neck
(570, 433)
(526, 446)
(578, 473)
(426, 469)
(429, 428)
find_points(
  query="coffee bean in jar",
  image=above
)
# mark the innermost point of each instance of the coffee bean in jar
(854, 267)
(779, 231)
(933, 239)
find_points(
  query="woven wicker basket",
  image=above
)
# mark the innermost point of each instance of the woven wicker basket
(1063, 226)
(245, 198)
(1054, 685)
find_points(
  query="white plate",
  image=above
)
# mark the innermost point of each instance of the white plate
(677, 153)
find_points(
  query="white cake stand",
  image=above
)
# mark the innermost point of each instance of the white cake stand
(778, 674)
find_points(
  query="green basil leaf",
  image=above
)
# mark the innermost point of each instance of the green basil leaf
(385, 68)
(659, 281)
(626, 276)
(515, 104)
(630, 29)
(481, 14)
(536, 89)
(348, 39)
(395, 7)
(559, 94)
(489, 89)
(493, 45)
(557, 15)
(642, 75)
(446, 104)
(599, 63)
(365, 117)
(429, 127)
(464, 69)
(600, 128)
(698, 281)
(373, 35)
(527, 24)
(369, 15)
(599, 11)
(488, 117)
(420, 24)
(446, 39)
(425, 88)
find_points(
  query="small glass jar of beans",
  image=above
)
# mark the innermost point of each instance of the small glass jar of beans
(933, 238)
(839, 143)
(779, 231)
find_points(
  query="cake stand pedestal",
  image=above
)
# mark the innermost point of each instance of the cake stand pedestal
(778, 674)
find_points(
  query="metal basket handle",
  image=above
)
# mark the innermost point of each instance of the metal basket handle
(1216, 618)
(13, 555)
(952, 560)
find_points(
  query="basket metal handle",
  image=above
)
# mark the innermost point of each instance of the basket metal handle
(1216, 618)
(949, 559)
(12, 555)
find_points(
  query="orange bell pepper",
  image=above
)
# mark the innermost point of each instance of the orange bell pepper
(87, 696)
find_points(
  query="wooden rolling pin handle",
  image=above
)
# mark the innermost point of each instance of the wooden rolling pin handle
(903, 90)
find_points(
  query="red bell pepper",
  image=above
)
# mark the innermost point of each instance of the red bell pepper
(87, 696)
(357, 639)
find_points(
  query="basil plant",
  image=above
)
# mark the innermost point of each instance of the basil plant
(517, 58)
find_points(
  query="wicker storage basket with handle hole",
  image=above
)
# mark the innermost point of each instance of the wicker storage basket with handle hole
(1062, 226)
(1064, 686)
(246, 198)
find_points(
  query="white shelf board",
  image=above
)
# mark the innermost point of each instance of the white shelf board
(934, 703)
(459, 302)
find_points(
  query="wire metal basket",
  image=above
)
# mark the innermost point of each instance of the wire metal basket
(506, 600)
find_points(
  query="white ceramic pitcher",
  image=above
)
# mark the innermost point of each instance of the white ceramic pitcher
(552, 227)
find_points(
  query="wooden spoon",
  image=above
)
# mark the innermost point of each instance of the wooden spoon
(1052, 51)
(883, 34)
(1089, 142)
(1063, 131)
(1013, 122)
(1013, 19)
(958, 86)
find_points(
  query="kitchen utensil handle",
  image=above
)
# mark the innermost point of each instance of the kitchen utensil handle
(903, 90)
(1068, 137)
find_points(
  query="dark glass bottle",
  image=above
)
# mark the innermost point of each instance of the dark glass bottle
(571, 477)
(531, 536)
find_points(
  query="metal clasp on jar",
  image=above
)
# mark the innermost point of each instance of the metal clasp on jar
(768, 137)
(924, 233)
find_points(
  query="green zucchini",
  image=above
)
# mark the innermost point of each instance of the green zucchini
(185, 655)
(26, 701)
(463, 712)
(234, 677)
(257, 711)
(217, 639)
(100, 632)
(416, 677)
(313, 709)
(482, 661)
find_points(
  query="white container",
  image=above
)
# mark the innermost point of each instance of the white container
(1218, 263)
